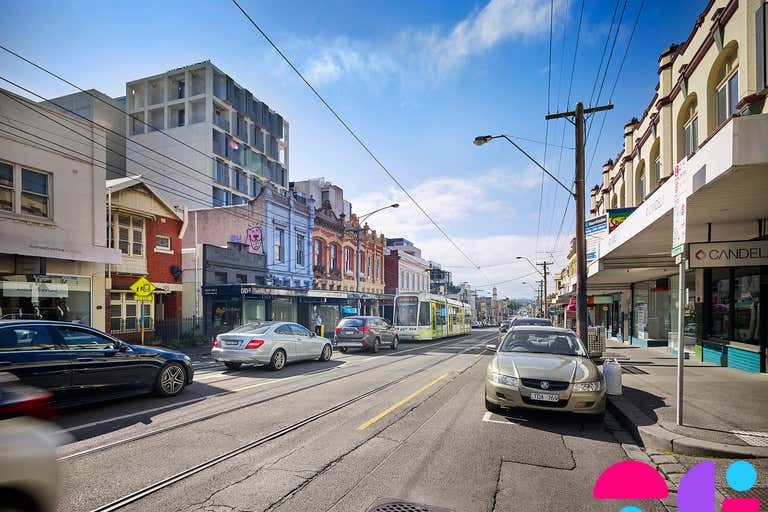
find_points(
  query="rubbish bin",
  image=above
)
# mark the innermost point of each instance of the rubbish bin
(612, 374)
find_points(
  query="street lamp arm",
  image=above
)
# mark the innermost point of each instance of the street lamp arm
(531, 263)
(535, 162)
(365, 216)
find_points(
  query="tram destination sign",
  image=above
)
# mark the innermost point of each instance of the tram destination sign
(728, 254)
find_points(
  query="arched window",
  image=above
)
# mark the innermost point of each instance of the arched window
(723, 86)
(640, 183)
(655, 164)
(614, 202)
(688, 127)
(347, 260)
(334, 257)
(317, 252)
(622, 193)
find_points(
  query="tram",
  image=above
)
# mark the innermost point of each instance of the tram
(426, 316)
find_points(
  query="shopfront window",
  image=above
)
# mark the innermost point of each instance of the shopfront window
(66, 299)
(651, 310)
(720, 326)
(690, 327)
(225, 315)
(283, 310)
(746, 295)
(254, 310)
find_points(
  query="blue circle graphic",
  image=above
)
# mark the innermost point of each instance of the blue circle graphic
(741, 475)
(630, 509)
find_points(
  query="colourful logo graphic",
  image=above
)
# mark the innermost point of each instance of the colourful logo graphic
(633, 480)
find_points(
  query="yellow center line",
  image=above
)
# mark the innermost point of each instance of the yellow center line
(400, 403)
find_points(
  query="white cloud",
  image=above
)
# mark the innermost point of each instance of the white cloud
(428, 53)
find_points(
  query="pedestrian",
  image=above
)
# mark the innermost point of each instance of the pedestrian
(318, 325)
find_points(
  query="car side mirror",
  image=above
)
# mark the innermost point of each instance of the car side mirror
(120, 346)
(491, 347)
(312, 334)
(596, 356)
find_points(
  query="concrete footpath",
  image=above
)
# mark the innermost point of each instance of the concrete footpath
(725, 411)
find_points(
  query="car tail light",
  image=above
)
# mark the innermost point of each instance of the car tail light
(338, 329)
(364, 329)
(216, 342)
(38, 406)
(255, 344)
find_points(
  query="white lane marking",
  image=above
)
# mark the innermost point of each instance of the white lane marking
(487, 419)
(228, 392)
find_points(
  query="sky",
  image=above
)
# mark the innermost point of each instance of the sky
(417, 81)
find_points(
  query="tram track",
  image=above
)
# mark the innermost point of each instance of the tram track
(254, 403)
(213, 461)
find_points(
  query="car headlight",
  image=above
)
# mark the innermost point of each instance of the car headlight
(500, 378)
(187, 359)
(581, 387)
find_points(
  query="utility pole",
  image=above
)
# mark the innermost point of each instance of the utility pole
(544, 264)
(578, 195)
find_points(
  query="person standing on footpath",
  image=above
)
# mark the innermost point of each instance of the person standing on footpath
(318, 325)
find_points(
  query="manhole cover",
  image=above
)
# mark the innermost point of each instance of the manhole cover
(395, 505)
(760, 493)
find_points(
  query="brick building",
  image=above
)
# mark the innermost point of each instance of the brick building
(147, 231)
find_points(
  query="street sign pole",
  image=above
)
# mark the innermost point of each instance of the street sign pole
(142, 322)
(680, 340)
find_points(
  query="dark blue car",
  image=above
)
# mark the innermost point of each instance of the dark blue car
(78, 363)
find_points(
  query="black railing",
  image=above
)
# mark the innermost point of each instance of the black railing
(180, 332)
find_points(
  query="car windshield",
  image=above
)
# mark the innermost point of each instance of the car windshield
(543, 342)
(351, 322)
(532, 321)
(253, 327)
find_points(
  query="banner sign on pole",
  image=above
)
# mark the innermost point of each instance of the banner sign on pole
(682, 188)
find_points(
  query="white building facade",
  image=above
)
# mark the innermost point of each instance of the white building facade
(220, 141)
(52, 215)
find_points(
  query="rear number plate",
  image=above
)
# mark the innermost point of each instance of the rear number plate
(545, 397)
(348, 332)
(231, 343)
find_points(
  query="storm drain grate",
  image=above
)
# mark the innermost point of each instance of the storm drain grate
(760, 493)
(752, 438)
(634, 370)
(395, 505)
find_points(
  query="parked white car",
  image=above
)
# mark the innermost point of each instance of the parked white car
(269, 343)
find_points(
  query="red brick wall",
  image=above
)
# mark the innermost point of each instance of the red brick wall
(391, 271)
(159, 263)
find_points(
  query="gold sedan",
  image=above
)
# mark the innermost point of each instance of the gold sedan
(545, 368)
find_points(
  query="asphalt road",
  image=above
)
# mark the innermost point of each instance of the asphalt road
(407, 424)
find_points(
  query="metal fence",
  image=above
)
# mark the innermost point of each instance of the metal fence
(186, 331)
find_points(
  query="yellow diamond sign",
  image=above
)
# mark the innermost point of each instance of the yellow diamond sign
(142, 287)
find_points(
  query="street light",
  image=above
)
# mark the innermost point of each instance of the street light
(531, 263)
(357, 231)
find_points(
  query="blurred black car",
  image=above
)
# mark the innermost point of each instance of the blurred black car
(79, 364)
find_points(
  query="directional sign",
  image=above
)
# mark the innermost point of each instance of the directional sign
(142, 287)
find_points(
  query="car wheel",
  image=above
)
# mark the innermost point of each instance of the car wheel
(233, 366)
(171, 380)
(278, 360)
(375, 345)
(492, 407)
(395, 342)
(343, 350)
(325, 355)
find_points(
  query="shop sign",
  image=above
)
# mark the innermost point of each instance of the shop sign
(728, 254)
(34, 290)
(682, 189)
(596, 229)
(618, 215)
(600, 299)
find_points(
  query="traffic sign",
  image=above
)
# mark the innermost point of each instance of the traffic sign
(142, 298)
(142, 287)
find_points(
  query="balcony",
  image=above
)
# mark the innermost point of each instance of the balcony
(221, 123)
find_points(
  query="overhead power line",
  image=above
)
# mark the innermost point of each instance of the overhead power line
(354, 135)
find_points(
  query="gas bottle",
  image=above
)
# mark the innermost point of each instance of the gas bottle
(612, 374)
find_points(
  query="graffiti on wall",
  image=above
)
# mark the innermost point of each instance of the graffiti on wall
(254, 239)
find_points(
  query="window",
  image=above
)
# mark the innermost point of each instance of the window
(746, 293)
(641, 186)
(378, 268)
(318, 252)
(300, 250)
(656, 171)
(347, 260)
(6, 187)
(727, 96)
(32, 199)
(81, 339)
(163, 243)
(220, 197)
(221, 173)
(279, 244)
(368, 266)
(299, 330)
(33, 337)
(130, 235)
(691, 136)
(125, 313)
(721, 304)
(241, 278)
(240, 181)
(334, 257)
(220, 277)
(325, 195)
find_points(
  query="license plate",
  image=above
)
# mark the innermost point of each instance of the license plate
(348, 332)
(232, 343)
(545, 397)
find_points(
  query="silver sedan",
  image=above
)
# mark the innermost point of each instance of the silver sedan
(544, 368)
(269, 343)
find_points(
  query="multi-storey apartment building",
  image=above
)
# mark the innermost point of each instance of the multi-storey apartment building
(224, 142)
(53, 242)
(704, 132)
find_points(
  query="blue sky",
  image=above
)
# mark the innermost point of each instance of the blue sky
(416, 80)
